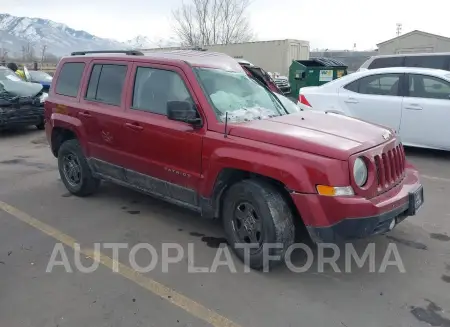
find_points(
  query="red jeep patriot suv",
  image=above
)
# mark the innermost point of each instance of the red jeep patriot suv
(192, 128)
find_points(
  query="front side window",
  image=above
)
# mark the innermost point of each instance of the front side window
(386, 84)
(421, 86)
(238, 95)
(69, 79)
(153, 88)
(106, 83)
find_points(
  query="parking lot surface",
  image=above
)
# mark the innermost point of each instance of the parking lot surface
(37, 213)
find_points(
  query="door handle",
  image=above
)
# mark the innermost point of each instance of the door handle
(134, 126)
(413, 106)
(85, 114)
(351, 100)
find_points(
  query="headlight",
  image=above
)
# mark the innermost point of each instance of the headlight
(43, 97)
(360, 172)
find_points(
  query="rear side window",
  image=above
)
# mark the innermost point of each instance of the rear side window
(435, 62)
(428, 87)
(353, 86)
(106, 83)
(69, 79)
(386, 62)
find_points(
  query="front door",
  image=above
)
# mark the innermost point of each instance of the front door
(426, 112)
(164, 155)
(374, 98)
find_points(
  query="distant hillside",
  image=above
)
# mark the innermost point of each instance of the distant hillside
(59, 39)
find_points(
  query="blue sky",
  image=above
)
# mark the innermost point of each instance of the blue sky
(326, 24)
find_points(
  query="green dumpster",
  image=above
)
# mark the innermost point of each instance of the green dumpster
(314, 72)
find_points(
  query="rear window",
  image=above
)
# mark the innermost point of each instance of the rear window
(386, 62)
(435, 62)
(106, 83)
(69, 79)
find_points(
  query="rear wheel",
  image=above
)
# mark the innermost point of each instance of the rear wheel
(75, 171)
(255, 213)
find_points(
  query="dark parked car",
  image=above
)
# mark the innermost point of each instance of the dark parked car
(21, 103)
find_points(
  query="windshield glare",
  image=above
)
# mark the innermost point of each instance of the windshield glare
(239, 95)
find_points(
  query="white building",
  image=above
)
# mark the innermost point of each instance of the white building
(414, 42)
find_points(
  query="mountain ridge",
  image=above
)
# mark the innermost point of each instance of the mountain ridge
(20, 34)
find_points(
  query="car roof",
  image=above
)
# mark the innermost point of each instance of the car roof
(426, 54)
(415, 70)
(195, 58)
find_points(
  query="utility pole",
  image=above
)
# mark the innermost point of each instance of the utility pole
(399, 29)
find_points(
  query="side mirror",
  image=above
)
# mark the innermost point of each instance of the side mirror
(183, 111)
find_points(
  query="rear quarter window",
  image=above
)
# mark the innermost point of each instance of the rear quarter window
(386, 62)
(69, 79)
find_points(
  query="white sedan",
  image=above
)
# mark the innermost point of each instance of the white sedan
(414, 102)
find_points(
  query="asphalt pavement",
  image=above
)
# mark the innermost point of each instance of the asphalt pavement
(38, 215)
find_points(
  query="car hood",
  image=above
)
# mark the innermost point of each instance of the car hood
(328, 135)
(21, 89)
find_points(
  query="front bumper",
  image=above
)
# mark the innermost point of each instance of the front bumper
(334, 219)
(24, 116)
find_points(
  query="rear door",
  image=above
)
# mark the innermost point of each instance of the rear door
(426, 112)
(101, 111)
(375, 98)
(159, 149)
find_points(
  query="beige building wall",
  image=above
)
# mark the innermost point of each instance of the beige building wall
(272, 56)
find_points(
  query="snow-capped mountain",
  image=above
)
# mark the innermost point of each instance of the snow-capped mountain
(59, 39)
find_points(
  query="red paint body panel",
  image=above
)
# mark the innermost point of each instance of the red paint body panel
(299, 150)
(323, 211)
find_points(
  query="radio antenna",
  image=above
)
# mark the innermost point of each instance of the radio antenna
(226, 125)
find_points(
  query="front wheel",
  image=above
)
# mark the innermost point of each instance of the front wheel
(255, 214)
(75, 171)
(40, 126)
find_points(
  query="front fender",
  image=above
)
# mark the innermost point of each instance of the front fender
(298, 171)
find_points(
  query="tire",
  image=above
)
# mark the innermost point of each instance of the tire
(40, 126)
(87, 184)
(273, 214)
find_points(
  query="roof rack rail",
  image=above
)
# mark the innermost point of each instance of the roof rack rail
(127, 52)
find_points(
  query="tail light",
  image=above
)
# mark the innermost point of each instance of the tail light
(303, 100)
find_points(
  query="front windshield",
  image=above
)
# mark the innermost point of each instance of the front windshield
(7, 74)
(238, 95)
